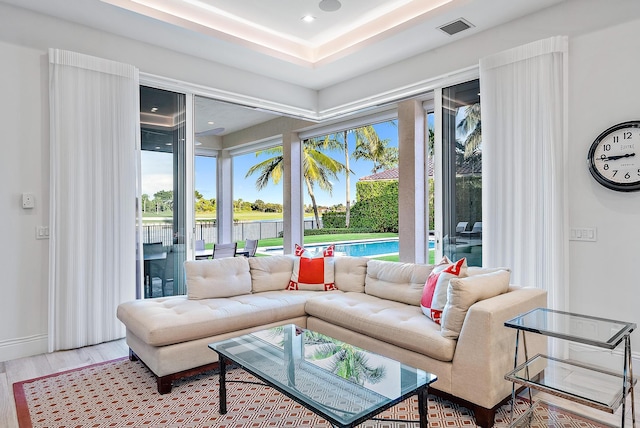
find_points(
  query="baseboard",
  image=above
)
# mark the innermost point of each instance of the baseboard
(23, 347)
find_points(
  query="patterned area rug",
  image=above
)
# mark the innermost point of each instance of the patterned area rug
(122, 393)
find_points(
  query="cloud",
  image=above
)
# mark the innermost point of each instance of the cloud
(153, 183)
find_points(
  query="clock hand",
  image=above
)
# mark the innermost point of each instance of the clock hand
(627, 155)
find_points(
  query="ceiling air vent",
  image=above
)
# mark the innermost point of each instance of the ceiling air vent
(456, 26)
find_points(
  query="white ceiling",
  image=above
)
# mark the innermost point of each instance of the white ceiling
(268, 37)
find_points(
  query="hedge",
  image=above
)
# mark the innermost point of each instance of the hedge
(377, 206)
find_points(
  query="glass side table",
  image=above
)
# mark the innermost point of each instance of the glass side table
(581, 383)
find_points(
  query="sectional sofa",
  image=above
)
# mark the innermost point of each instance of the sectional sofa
(371, 304)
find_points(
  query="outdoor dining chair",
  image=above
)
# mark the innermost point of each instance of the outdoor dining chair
(250, 247)
(155, 255)
(224, 250)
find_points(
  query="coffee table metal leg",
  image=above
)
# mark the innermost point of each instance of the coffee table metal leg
(223, 384)
(422, 407)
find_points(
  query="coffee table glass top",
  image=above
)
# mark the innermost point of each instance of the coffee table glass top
(338, 381)
(601, 332)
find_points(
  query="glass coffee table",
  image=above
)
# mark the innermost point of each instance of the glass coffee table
(317, 372)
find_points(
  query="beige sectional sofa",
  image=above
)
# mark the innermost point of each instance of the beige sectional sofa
(376, 306)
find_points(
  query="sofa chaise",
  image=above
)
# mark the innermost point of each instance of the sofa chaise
(375, 305)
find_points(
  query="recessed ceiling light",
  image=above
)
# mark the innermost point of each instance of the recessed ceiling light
(210, 122)
(154, 109)
(308, 18)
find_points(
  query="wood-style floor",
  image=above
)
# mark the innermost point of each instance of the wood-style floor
(41, 365)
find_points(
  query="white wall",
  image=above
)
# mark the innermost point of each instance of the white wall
(603, 91)
(24, 167)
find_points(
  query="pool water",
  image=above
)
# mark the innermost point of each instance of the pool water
(357, 249)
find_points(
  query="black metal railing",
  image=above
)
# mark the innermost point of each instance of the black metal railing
(208, 231)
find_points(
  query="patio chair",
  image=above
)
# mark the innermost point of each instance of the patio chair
(155, 255)
(199, 244)
(475, 232)
(461, 227)
(167, 280)
(224, 250)
(477, 229)
(250, 247)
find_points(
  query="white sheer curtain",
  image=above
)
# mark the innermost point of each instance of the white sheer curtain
(524, 140)
(94, 126)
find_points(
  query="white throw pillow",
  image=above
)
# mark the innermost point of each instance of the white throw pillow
(214, 278)
(464, 292)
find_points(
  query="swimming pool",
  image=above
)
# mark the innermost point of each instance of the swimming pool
(356, 249)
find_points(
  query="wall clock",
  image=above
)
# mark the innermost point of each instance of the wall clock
(614, 160)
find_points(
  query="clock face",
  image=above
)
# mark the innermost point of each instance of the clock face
(614, 157)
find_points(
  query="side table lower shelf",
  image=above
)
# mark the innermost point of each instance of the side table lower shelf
(575, 382)
(528, 418)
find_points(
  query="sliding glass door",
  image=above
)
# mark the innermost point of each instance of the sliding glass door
(163, 187)
(462, 172)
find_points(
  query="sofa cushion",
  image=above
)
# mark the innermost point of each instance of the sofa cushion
(271, 273)
(350, 272)
(312, 272)
(391, 322)
(464, 292)
(400, 282)
(225, 277)
(434, 294)
(477, 270)
(176, 319)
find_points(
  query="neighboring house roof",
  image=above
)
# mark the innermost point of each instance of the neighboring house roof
(390, 174)
(467, 168)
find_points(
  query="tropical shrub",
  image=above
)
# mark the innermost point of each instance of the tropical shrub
(377, 206)
(333, 219)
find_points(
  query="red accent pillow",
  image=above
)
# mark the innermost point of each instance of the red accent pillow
(312, 272)
(434, 294)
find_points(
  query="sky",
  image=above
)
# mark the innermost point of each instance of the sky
(157, 174)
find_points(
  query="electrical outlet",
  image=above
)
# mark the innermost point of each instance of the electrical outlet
(583, 234)
(42, 232)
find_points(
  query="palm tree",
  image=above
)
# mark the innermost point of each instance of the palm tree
(340, 141)
(317, 168)
(369, 146)
(471, 127)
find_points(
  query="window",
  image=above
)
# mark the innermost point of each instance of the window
(351, 178)
(462, 172)
(163, 200)
(258, 194)
(205, 201)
